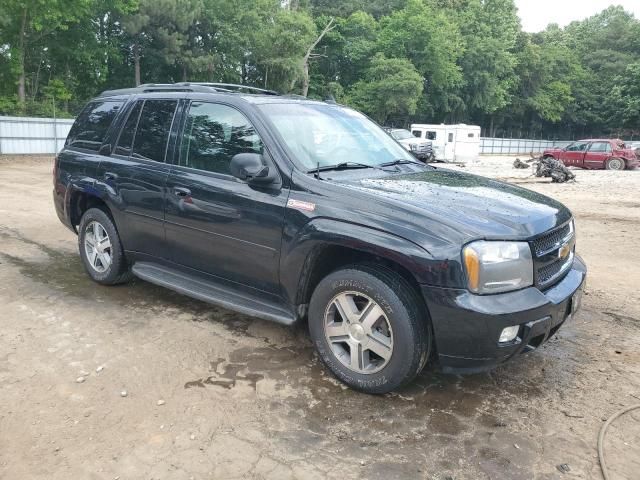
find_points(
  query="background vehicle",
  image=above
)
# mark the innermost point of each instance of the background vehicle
(595, 154)
(420, 148)
(289, 209)
(451, 143)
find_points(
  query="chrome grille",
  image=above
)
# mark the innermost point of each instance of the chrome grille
(553, 240)
(552, 271)
(550, 266)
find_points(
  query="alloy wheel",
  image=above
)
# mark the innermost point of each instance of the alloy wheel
(97, 246)
(359, 332)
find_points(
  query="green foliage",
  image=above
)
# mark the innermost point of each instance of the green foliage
(399, 61)
(391, 88)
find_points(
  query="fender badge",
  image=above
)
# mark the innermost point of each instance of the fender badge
(300, 205)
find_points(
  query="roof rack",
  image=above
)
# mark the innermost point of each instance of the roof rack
(202, 87)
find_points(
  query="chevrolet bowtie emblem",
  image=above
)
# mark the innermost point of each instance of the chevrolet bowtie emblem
(564, 251)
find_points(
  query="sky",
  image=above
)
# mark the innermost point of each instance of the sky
(537, 14)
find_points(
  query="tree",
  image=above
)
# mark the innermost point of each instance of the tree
(391, 88)
(432, 42)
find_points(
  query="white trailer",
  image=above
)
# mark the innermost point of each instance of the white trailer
(451, 143)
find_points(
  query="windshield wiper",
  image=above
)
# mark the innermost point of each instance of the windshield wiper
(399, 161)
(344, 166)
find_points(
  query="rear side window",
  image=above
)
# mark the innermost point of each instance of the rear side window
(600, 147)
(153, 129)
(214, 134)
(125, 142)
(91, 126)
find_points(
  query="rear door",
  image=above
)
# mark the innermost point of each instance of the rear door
(597, 154)
(133, 177)
(216, 223)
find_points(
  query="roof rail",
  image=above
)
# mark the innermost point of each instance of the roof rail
(231, 87)
(202, 87)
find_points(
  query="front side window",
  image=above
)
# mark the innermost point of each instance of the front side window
(417, 133)
(321, 135)
(213, 134)
(600, 147)
(153, 129)
(91, 126)
(577, 147)
(431, 135)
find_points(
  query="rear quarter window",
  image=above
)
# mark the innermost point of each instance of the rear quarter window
(91, 126)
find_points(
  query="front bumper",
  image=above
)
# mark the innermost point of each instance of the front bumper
(467, 327)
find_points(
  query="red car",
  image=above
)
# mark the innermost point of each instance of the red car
(596, 154)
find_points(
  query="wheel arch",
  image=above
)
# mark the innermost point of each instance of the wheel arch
(324, 246)
(80, 201)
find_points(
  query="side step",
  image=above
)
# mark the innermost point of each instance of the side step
(214, 293)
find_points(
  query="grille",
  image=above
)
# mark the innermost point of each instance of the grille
(549, 242)
(550, 272)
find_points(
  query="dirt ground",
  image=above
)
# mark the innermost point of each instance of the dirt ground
(211, 394)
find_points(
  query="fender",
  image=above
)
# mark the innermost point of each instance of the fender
(299, 252)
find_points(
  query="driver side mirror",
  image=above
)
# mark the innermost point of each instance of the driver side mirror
(251, 168)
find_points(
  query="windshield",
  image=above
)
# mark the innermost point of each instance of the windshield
(402, 134)
(326, 135)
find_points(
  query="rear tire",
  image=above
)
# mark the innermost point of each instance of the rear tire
(615, 164)
(100, 249)
(369, 328)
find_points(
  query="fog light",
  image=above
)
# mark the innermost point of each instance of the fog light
(509, 334)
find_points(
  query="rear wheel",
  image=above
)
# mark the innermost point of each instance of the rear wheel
(100, 248)
(615, 164)
(369, 328)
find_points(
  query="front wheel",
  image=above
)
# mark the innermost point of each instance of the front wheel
(369, 328)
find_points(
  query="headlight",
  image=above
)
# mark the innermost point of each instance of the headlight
(413, 147)
(494, 267)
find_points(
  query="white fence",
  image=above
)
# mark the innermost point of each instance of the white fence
(516, 146)
(23, 135)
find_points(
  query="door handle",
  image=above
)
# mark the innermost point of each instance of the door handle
(110, 176)
(181, 192)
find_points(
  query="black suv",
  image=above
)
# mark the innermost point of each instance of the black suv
(289, 209)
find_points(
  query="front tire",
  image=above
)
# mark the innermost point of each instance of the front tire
(369, 328)
(100, 249)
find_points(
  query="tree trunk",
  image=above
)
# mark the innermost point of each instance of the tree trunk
(305, 61)
(21, 78)
(136, 62)
(305, 79)
(184, 72)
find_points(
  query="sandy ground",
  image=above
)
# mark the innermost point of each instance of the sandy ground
(211, 394)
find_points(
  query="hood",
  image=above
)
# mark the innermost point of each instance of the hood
(471, 206)
(414, 141)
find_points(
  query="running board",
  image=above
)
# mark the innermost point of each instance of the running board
(213, 293)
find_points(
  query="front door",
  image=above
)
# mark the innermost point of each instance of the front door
(134, 176)
(216, 223)
(597, 154)
(574, 154)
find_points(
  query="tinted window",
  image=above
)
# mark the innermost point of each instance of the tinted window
(153, 129)
(92, 124)
(431, 135)
(417, 133)
(213, 134)
(450, 137)
(600, 147)
(126, 136)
